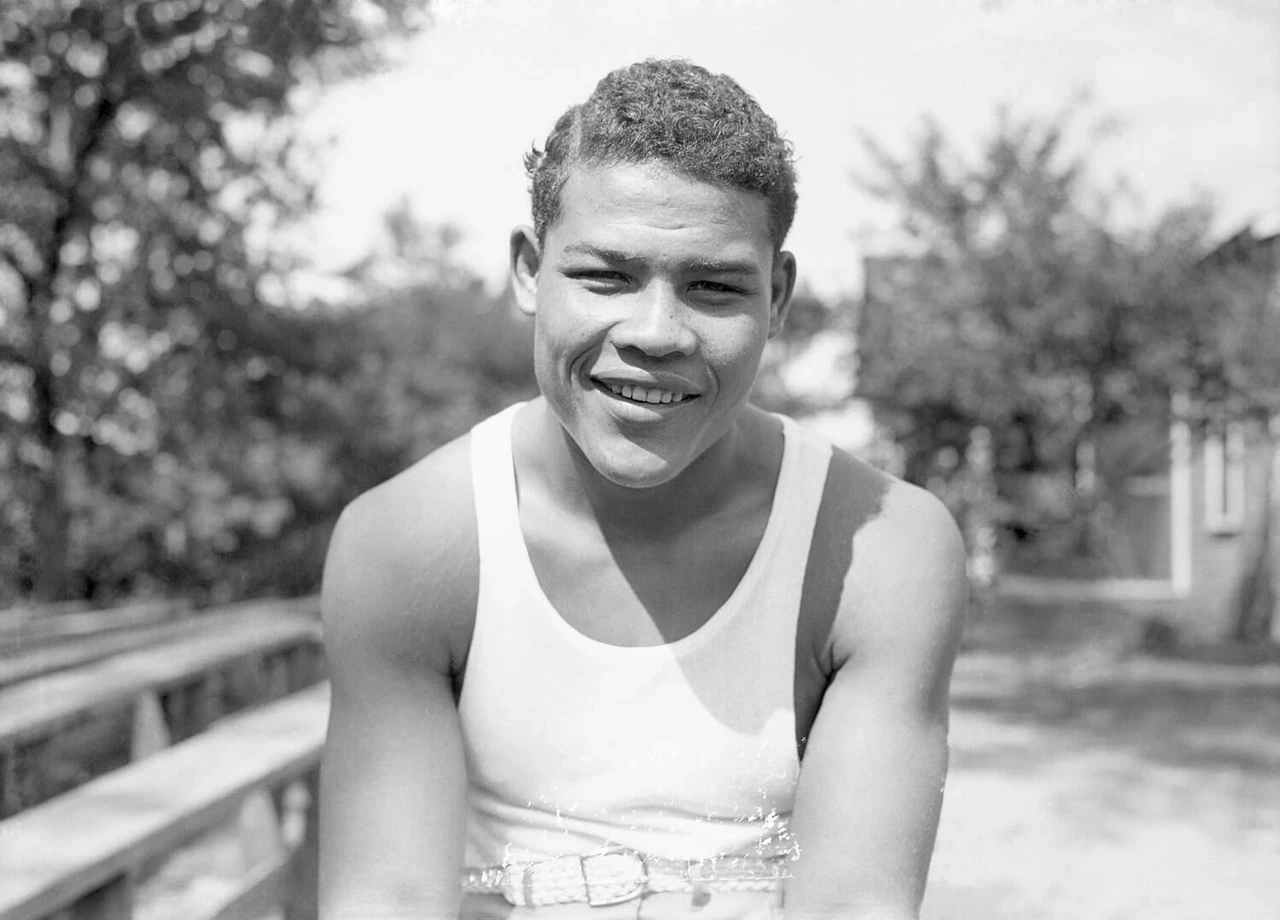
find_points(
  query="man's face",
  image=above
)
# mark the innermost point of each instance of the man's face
(654, 296)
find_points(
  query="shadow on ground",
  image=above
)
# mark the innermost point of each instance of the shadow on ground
(1093, 781)
(1077, 673)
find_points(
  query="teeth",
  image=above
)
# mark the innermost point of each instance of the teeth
(653, 396)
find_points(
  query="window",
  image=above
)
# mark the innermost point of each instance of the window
(1224, 480)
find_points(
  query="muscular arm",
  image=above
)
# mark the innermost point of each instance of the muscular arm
(870, 789)
(397, 583)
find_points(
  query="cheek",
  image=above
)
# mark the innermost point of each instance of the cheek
(735, 346)
(552, 324)
(562, 339)
(548, 355)
(559, 321)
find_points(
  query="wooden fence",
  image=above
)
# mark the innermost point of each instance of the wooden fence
(81, 852)
(77, 856)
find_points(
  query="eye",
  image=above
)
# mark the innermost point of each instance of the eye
(717, 289)
(601, 280)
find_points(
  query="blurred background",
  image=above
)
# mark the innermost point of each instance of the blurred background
(252, 262)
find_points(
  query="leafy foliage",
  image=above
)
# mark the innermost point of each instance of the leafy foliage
(440, 352)
(152, 366)
(1231, 307)
(1024, 307)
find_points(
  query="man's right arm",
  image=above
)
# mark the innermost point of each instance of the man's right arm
(398, 602)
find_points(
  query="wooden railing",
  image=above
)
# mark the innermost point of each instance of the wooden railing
(155, 760)
(24, 629)
(59, 729)
(77, 857)
(33, 646)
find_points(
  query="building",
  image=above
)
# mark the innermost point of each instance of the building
(1224, 481)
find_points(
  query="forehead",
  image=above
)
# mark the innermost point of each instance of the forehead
(649, 210)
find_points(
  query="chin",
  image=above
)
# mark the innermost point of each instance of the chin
(631, 466)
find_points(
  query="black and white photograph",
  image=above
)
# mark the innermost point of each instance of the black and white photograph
(614, 460)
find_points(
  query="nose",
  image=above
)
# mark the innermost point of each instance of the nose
(656, 324)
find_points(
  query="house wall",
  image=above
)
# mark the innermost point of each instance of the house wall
(1217, 558)
(1143, 526)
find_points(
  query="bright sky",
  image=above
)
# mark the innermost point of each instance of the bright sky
(1196, 83)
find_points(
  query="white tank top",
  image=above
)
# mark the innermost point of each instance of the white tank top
(684, 750)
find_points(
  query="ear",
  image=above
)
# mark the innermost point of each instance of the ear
(782, 286)
(526, 257)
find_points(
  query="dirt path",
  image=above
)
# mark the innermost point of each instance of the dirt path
(1088, 788)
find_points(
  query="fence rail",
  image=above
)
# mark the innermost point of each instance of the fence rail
(60, 729)
(24, 630)
(77, 857)
(95, 795)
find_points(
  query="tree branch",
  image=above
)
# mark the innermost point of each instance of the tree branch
(32, 162)
(11, 259)
(11, 354)
(71, 207)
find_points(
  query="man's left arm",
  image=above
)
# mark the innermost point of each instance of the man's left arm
(870, 789)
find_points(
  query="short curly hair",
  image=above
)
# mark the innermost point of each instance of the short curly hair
(700, 124)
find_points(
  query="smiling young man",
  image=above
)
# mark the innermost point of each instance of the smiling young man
(637, 648)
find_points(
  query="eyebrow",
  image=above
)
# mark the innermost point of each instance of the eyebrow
(607, 255)
(698, 266)
(722, 267)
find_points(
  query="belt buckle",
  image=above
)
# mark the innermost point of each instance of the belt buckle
(638, 886)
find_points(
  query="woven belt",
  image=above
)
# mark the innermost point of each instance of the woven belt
(617, 874)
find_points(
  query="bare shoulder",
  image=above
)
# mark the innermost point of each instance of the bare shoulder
(906, 586)
(401, 574)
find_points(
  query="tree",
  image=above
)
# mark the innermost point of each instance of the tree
(1023, 307)
(146, 152)
(1020, 306)
(443, 353)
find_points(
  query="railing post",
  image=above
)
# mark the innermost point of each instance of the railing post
(304, 865)
(150, 730)
(258, 824)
